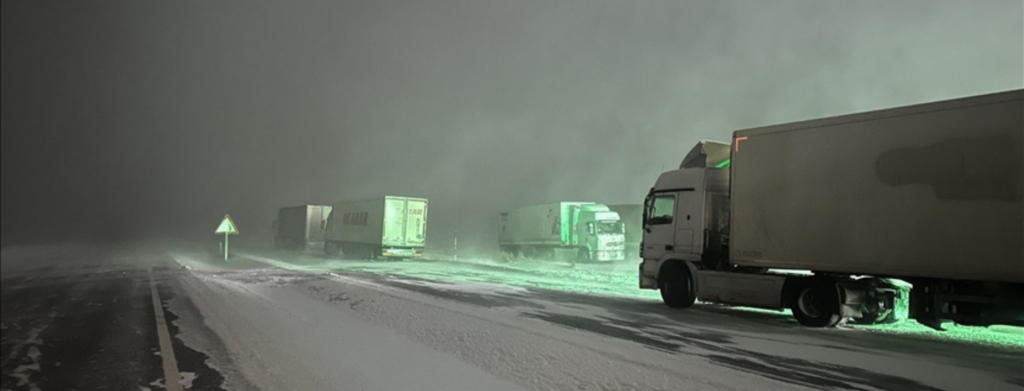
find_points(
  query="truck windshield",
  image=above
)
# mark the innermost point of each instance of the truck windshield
(609, 227)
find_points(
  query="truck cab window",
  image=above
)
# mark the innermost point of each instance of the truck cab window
(663, 207)
(609, 227)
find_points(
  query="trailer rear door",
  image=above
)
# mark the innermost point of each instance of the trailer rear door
(394, 221)
(317, 217)
(416, 222)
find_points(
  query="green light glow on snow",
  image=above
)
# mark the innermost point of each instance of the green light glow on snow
(724, 163)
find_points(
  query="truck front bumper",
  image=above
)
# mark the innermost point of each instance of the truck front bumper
(648, 274)
(610, 255)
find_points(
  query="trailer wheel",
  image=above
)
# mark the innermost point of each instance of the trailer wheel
(676, 286)
(330, 248)
(817, 305)
(348, 251)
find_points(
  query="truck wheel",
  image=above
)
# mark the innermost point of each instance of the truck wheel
(582, 255)
(330, 248)
(347, 251)
(677, 287)
(817, 305)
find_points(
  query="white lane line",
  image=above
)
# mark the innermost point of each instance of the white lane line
(171, 375)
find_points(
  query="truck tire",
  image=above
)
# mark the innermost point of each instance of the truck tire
(817, 305)
(582, 255)
(331, 248)
(350, 252)
(676, 287)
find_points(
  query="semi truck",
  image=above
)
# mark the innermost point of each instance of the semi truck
(300, 226)
(388, 227)
(632, 221)
(823, 216)
(574, 230)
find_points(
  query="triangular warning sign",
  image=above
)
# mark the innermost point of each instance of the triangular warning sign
(227, 227)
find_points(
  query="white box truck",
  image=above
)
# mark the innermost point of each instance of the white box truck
(929, 194)
(575, 230)
(388, 226)
(299, 227)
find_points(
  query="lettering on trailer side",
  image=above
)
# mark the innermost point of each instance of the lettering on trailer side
(751, 253)
(355, 218)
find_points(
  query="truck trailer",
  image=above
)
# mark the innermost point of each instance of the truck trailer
(575, 230)
(388, 226)
(929, 194)
(632, 221)
(299, 227)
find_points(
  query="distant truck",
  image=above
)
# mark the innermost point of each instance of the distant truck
(632, 216)
(577, 230)
(300, 226)
(388, 226)
(929, 194)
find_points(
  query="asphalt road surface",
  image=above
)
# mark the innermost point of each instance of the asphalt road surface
(79, 316)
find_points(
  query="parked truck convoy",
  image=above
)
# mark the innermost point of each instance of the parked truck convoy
(929, 194)
(300, 226)
(389, 227)
(574, 230)
(632, 222)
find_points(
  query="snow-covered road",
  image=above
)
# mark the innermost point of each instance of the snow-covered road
(292, 324)
(271, 320)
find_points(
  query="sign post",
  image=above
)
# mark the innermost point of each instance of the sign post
(226, 227)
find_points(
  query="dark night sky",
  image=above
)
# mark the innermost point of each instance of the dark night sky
(133, 119)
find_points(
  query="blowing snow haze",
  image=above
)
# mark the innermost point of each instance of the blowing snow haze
(126, 119)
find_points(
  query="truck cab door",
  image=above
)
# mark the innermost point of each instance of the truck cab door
(659, 225)
(688, 222)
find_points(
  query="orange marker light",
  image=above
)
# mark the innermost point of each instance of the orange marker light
(737, 143)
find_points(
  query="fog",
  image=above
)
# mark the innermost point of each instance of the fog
(124, 120)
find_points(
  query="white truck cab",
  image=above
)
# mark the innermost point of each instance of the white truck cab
(605, 235)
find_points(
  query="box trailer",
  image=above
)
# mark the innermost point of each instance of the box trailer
(300, 226)
(388, 226)
(576, 230)
(929, 194)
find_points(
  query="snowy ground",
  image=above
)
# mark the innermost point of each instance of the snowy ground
(278, 320)
(613, 279)
(583, 327)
